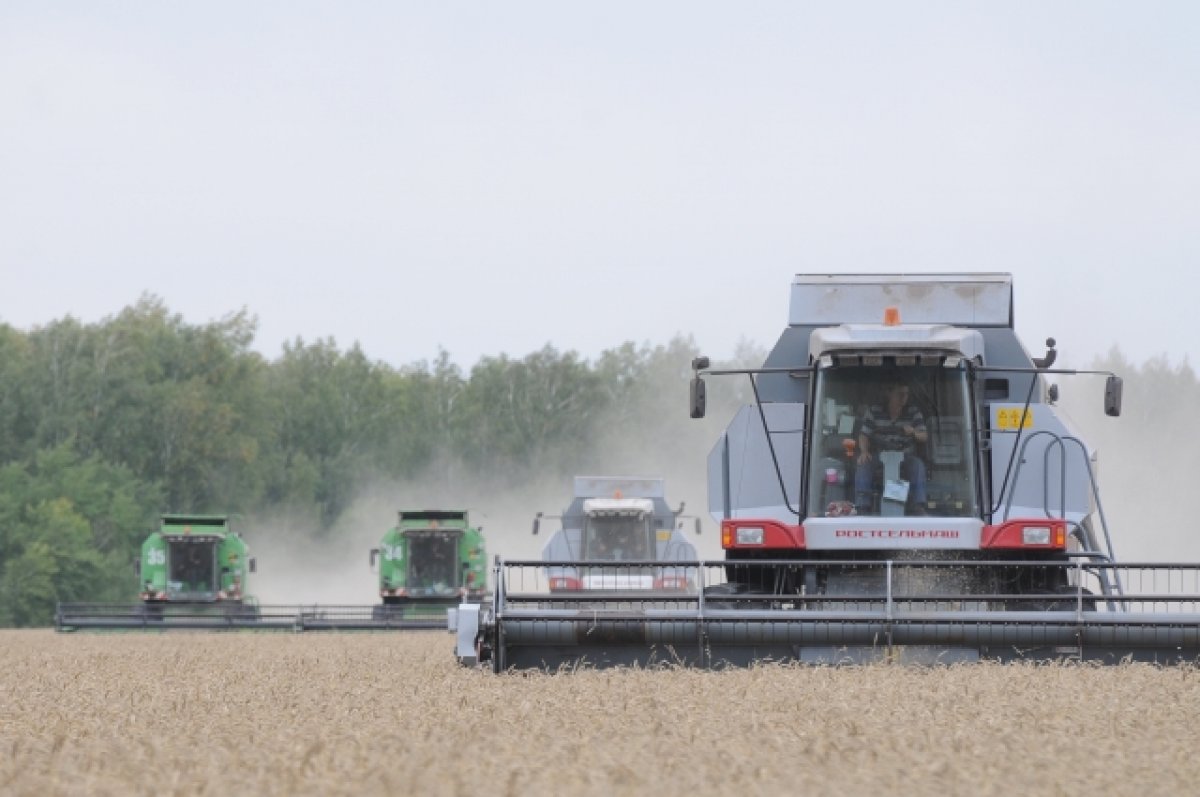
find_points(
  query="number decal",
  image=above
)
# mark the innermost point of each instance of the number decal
(393, 553)
(156, 556)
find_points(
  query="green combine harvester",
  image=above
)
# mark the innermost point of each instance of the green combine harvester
(432, 560)
(192, 573)
(194, 560)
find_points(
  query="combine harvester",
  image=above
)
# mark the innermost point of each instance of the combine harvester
(904, 488)
(432, 560)
(619, 520)
(192, 573)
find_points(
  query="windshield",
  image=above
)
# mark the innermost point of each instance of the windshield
(892, 440)
(193, 566)
(616, 538)
(432, 561)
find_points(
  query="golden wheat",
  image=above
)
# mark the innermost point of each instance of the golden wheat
(392, 713)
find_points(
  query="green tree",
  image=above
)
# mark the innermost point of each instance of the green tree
(525, 414)
(147, 390)
(27, 593)
(16, 405)
(69, 529)
(336, 415)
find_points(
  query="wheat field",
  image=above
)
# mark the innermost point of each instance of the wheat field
(232, 714)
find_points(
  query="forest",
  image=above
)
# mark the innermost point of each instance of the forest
(106, 425)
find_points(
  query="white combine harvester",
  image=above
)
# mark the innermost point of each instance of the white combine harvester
(615, 522)
(903, 488)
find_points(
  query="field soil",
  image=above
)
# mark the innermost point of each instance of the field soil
(232, 714)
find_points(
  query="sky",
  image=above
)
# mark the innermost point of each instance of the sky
(489, 178)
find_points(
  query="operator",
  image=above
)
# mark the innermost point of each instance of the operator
(624, 543)
(599, 547)
(440, 567)
(194, 578)
(897, 425)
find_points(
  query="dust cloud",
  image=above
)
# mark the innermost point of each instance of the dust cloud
(1148, 466)
(300, 564)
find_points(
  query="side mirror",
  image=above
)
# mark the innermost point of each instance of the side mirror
(374, 556)
(1112, 396)
(137, 565)
(698, 397)
(1051, 355)
(697, 526)
(537, 522)
(253, 565)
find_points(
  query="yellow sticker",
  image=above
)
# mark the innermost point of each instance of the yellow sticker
(1013, 419)
(664, 535)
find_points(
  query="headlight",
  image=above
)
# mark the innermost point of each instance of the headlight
(750, 535)
(1036, 535)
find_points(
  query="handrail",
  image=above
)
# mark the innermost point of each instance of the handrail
(1059, 441)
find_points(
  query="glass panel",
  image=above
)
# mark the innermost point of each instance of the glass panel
(616, 538)
(432, 562)
(192, 569)
(891, 441)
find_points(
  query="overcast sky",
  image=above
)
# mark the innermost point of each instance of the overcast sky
(493, 177)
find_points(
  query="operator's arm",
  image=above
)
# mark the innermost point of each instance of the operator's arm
(864, 438)
(919, 432)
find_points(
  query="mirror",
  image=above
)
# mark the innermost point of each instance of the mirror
(253, 565)
(537, 522)
(374, 554)
(1112, 396)
(698, 402)
(1051, 355)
